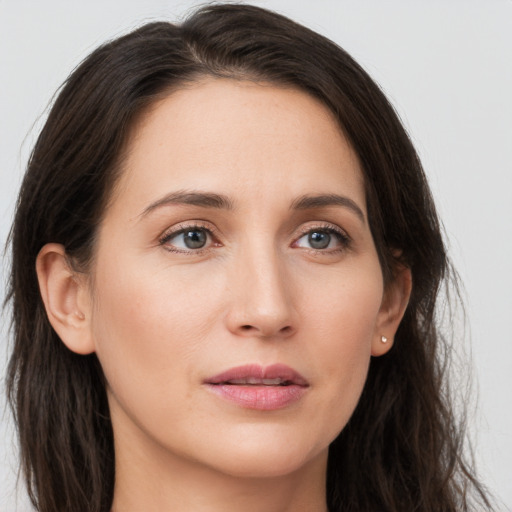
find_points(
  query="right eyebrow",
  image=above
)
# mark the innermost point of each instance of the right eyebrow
(203, 199)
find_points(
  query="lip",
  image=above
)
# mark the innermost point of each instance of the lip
(255, 395)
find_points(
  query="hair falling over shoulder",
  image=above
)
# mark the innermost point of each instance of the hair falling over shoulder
(403, 449)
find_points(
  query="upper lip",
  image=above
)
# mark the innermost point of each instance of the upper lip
(276, 374)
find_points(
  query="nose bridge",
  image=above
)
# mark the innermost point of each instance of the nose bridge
(261, 302)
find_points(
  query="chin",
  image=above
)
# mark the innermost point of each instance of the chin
(266, 467)
(269, 456)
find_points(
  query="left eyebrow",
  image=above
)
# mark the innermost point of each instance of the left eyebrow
(308, 202)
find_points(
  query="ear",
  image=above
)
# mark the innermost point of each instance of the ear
(394, 303)
(66, 298)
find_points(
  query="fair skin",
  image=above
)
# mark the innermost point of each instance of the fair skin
(266, 276)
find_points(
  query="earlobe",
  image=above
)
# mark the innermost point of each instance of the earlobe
(65, 298)
(394, 303)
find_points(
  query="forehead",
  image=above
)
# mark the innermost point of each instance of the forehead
(236, 136)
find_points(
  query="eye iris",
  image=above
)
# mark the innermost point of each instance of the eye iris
(194, 239)
(319, 240)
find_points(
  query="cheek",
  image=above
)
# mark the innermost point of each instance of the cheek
(342, 314)
(148, 330)
(343, 321)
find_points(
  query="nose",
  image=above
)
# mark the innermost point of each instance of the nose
(261, 298)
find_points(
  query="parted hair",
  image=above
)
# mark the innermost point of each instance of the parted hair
(403, 448)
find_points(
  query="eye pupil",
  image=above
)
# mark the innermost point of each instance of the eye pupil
(194, 239)
(319, 240)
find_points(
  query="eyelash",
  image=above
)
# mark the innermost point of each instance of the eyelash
(182, 228)
(342, 237)
(331, 229)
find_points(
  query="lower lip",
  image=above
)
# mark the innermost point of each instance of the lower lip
(262, 398)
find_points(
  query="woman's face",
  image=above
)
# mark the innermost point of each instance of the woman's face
(237, 294)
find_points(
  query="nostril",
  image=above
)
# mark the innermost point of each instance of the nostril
(255, 330)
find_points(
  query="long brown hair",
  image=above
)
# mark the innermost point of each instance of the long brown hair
(402, 450)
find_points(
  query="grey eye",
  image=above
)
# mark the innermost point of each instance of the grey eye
(319, 239)
(195, 238)
(192, 238)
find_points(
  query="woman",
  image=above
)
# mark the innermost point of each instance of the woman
(225, 268)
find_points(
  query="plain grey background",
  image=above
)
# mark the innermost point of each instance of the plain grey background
(447, 68)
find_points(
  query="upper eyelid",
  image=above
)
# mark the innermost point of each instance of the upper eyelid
(179, 228)
(324, 226)
(207, 226)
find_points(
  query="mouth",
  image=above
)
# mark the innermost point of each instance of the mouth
(257, 387)
(253, 381)
(256, 375)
